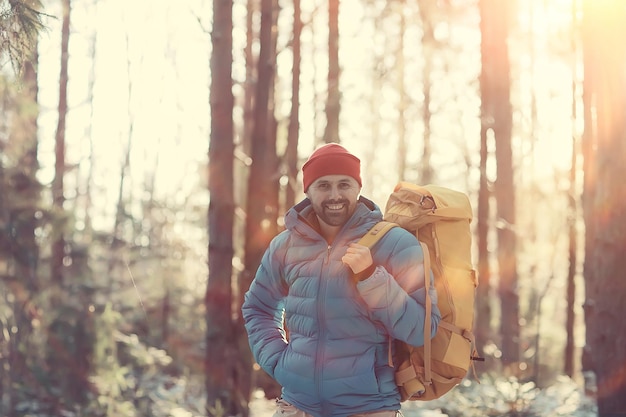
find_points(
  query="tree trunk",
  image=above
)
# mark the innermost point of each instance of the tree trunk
(58, 198)
(262, 195)
(403, 100)
(569, 360)
(89, 182)
(374, 123)
(333, 101)
(68, 344)
(570, 291)
(263, 168)
(291, 153)
(221, 380)
(260, 224)
(605, 201)
(482, 328)
(250, 84)
(20, 213)
(57, 357)
(428, 46)
(119, 239)
(117, 245)
(588, 153)
(498, 117)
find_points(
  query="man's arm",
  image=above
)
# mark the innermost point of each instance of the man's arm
(395, 292)
(263, 313)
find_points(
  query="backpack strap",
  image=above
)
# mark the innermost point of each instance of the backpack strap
(375, 233)
(409, 373)
(370, 239)
(427, 317)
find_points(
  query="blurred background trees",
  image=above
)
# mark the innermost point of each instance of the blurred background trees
(149, 149)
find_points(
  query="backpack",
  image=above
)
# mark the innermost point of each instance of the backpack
(440, 219)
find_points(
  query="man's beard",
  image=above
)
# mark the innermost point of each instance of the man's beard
(334, 212)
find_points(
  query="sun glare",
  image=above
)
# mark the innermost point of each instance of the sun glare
(149, 89)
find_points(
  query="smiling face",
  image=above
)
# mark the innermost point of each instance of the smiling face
(334, 199)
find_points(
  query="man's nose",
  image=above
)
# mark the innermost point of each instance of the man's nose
(334, 192)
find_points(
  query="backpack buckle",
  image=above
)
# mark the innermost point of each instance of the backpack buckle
(428, 203)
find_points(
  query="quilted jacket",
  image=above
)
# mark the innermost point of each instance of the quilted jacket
(334, 361)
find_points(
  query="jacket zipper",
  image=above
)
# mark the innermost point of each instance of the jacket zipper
(321, 319)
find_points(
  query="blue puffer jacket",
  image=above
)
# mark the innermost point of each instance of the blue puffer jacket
(335, 362)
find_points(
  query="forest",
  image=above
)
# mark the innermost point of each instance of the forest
(149, 149)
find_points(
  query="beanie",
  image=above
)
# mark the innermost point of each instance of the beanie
(330, 159)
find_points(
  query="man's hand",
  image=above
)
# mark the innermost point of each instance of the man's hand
(358, 258)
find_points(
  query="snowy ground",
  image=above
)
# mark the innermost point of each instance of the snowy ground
(491, 398)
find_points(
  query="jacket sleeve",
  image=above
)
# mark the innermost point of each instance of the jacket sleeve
(263, 312)
(395, 292)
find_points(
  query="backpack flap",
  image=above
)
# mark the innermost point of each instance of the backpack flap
(413, 206)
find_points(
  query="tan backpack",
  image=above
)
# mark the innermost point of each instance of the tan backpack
(440, 218)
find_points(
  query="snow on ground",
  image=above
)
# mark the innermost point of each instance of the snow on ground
(500, 397)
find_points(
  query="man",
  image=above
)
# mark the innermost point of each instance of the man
(340, 303)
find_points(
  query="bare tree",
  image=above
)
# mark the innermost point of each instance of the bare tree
(483, 293)
(569, 360)
(264, 173)
(19, 211)
(403, 104)
(378, 71)
(497, 118)
(604, 202)
(427, 11)
(291, 153)
(333, 100)
(220, 383)
(58, 198)
(483, 330)
(68, 340)
(251, 81)
(117, 236)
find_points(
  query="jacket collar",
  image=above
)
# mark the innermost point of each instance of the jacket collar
(301, 219)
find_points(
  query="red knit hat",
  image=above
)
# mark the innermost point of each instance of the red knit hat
(330, 159)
